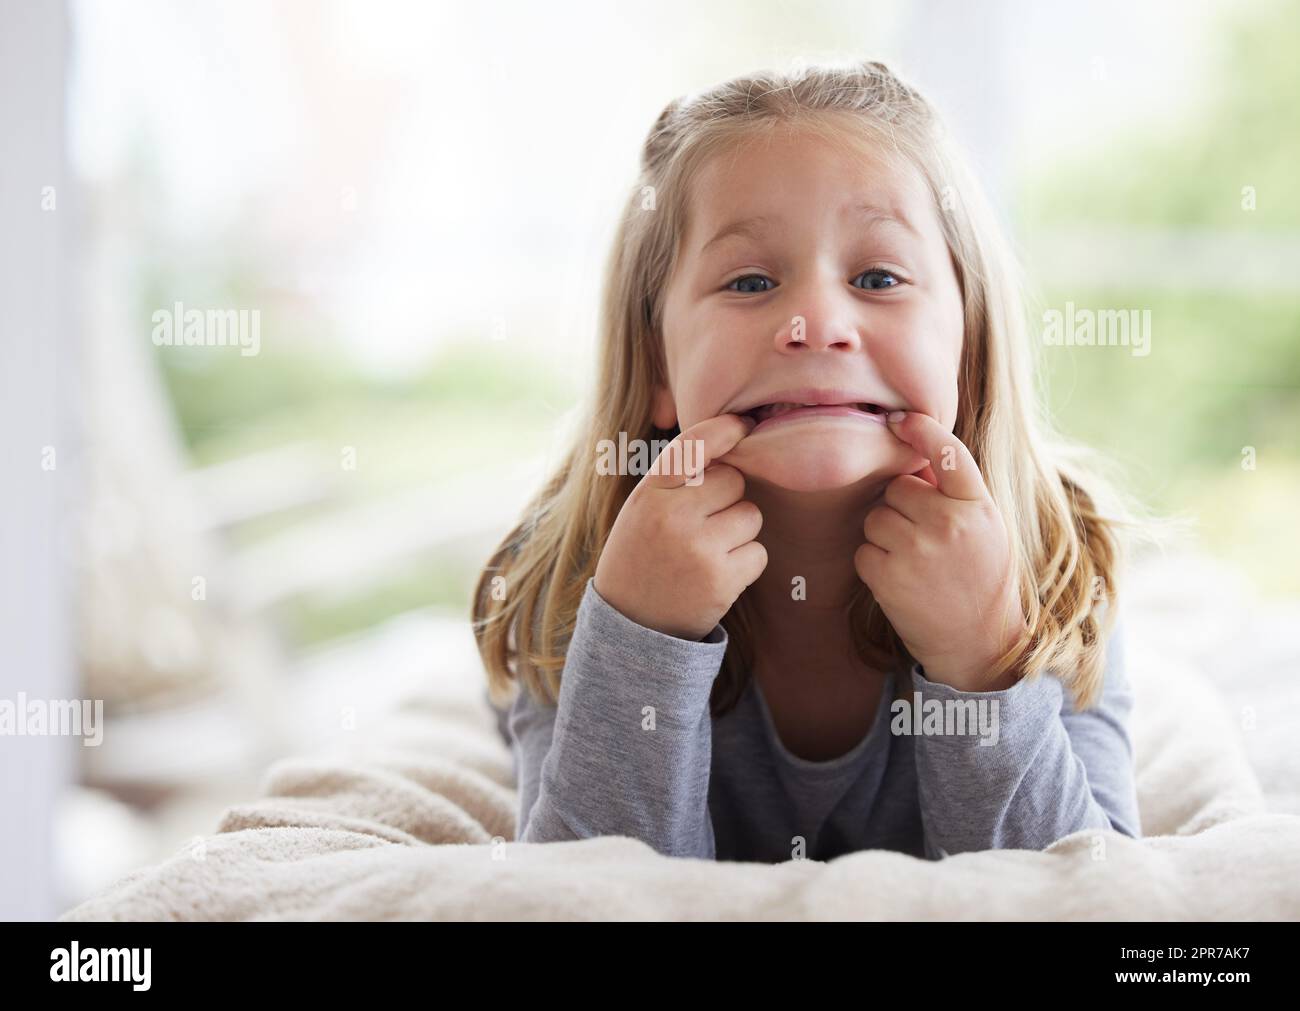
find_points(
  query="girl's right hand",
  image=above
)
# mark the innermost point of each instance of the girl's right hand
(682, 550)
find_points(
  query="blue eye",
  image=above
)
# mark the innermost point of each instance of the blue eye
(749, 277)
(880, 274)
(880, 279)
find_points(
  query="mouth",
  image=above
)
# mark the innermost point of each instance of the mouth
(780, 412)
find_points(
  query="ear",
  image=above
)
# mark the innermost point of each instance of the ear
(663, 408)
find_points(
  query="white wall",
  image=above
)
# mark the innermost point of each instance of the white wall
(37, 382)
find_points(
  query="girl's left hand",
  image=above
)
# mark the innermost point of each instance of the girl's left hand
(938, 561)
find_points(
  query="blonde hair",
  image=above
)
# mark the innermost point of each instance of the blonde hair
(1065, 538)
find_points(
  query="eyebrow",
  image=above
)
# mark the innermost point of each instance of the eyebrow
(879, 215)
(754, 227)
(750, 228)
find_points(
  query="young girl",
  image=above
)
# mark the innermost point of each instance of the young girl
(878, 610)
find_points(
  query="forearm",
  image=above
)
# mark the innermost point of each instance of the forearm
(1014, 781)
(631, 747)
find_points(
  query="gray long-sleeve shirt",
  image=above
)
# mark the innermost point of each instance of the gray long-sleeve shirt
(631, 749)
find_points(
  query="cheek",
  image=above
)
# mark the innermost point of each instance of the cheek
(954, 329)
(703, 365)
(924, 364)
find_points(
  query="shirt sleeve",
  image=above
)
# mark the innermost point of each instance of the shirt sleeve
(627, 749)
(1036, 771)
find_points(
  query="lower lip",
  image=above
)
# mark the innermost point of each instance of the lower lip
(827, 411)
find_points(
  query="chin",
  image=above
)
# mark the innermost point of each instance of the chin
(827, 463)
(809, 478)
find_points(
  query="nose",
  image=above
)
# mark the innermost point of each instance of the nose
(825, 320)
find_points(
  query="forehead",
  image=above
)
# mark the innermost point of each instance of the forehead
(793, 173)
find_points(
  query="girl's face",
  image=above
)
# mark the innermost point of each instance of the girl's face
(807, 268)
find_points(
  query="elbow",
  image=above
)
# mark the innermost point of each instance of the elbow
(543, 826)
(546, 826)
(1125, 826)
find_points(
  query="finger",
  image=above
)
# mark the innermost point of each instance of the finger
(914, 498)
(868, 561)
(750, 559)
(927, 475)
(723, 486)
(887, 528)
(683, 459)
(735, 525)
(952, 466)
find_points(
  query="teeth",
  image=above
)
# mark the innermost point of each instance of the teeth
(765, 411)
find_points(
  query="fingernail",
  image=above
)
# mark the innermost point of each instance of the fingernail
(894, 417)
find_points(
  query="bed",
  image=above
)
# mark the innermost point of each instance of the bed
(417, 823)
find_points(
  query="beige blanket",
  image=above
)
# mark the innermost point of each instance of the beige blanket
(421, 826)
